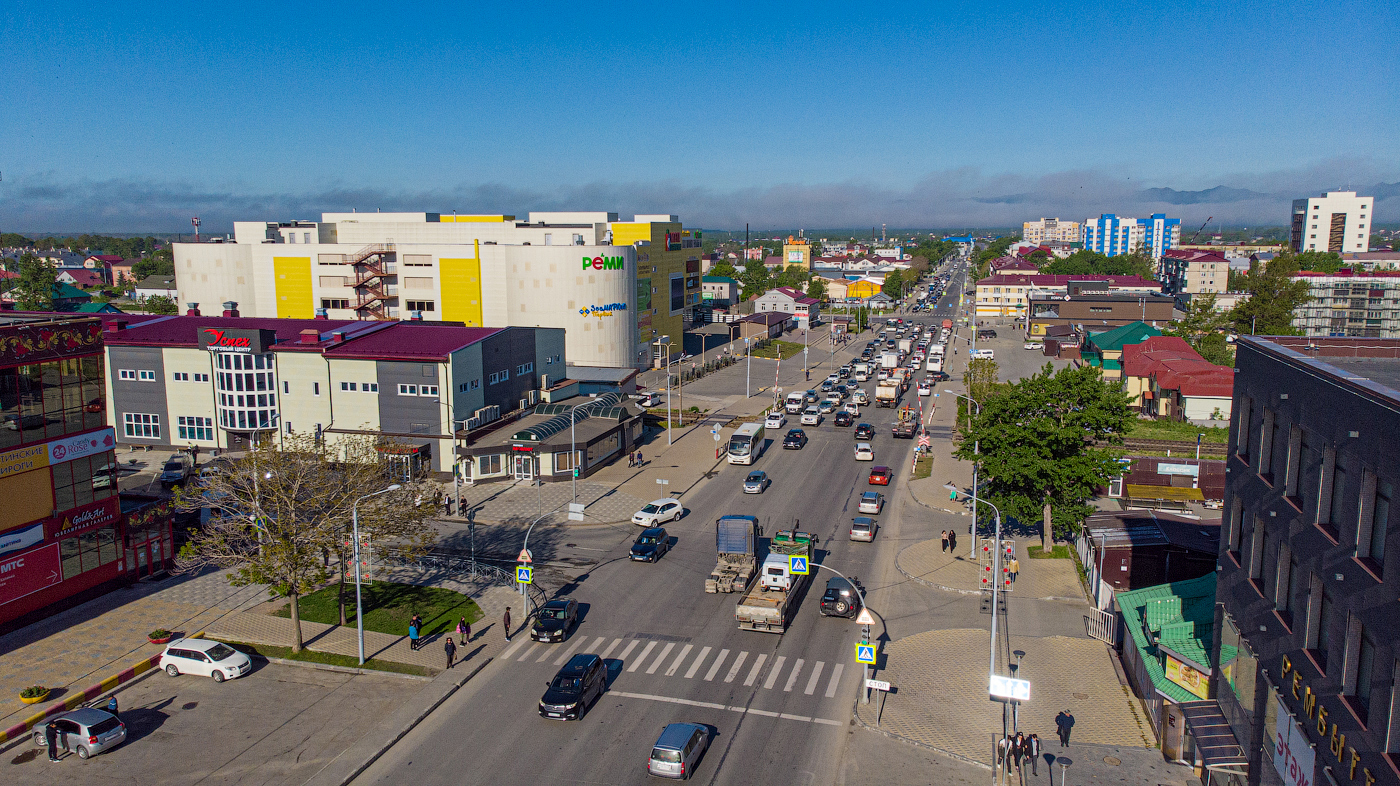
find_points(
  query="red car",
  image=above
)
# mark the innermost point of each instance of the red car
(880, 476)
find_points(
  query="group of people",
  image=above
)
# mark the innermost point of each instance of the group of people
(634, 459)
(949, 539)
(1014, 751)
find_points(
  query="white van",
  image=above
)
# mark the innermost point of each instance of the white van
(935, 363)
(795, 403)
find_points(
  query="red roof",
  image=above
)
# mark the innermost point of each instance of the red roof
(184, 330)
(1140, 360)
(1193, 255)
(106, 257)
(1196, 377)
(84, 277)
(410, 341)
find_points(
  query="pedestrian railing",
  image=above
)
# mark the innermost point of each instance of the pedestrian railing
(1102, 625)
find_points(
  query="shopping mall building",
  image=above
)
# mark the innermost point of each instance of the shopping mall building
(616, 287)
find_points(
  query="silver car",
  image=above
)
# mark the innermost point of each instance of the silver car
(756, 482)
(677, 750)
(87, 731)
(863, 529)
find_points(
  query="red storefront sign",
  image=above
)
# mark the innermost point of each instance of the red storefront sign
(27, 573)
(98, 514)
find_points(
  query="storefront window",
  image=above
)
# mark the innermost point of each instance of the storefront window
(84, 480)
(50, 400)
(87, 551)
(490, 465)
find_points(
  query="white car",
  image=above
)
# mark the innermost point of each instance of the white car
(1033, 345)
(864, 452)
(658, 511)
(648, 400)
(775, 419)
(851, 407)
(871, 502)
(204, 657)
(925, 389)
(982, 353)
(811, 416)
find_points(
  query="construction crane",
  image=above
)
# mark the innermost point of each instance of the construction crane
(1198, 231)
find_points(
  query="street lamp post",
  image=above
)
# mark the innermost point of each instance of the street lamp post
(748, 368)
(996, 590)
(976, 445)
(666, 341)
(355, 536)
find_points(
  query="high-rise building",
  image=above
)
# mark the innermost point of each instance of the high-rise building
(1350, 303)
(1112, 235)
(1048, 229)
(1335, 221)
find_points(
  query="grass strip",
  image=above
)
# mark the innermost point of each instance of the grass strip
(388, 607)
(328, 658)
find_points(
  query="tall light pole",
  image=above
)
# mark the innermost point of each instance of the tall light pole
(996, 591)
(666, 341)
(976, 445)
(748, 367)
(355, 536)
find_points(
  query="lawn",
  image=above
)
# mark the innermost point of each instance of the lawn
(329, 659)
(388, 607)
(1181, 432)
(1058, 551)
(787, 348)
(924, 466)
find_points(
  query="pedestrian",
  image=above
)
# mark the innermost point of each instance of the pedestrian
(505, 624)
(450, 649)
(944, 538)
(952, 541)
(1033, 751)
(1018, 751)
(112, 707)
(1064, 722)
(1014, 567)
(51, 737)
(464, 631)
(639, 458)
(413, 635)
(1004, 751)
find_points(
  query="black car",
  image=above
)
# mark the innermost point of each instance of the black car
(986, 333)
(650, 545)
(841, 599)
(938, 376)
(555, 620)
(844, 419)
(865, 432)
(795, 439)
(580, 683)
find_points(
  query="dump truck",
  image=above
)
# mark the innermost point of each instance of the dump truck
(907, 425)
(771, 602)
(887, 392)
(735, 538)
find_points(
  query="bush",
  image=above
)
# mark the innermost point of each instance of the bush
(158, 633)
(33, 691)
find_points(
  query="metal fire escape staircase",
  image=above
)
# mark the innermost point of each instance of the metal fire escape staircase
(374, 265)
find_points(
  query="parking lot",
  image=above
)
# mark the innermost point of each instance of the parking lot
(278, 725)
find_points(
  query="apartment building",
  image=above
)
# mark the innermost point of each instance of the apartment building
(1337, 221)
(1052, 229)
(1194, 272)
(1008, 294)
(1112, 235)
(1350, 303)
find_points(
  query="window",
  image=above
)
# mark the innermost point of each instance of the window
(146, 375)
(126, 374)
(195, 428)
(332, 281)
(1323, 632)
(370, 387)
(201, 377)
(421, 305)
(499, 376)
(347, 386)
(1339, 490)
(315, 388)
(180, 376)
(141, 426)
(88, 550)
(1233, 525)
(524, 368)
(1372, 527)
(1243, 430)
(490, 465)
(428, 390)
(1256, 548)
(286, 387)
(408, 390)
(471, 385)
(418, 260)
(331, 302)
(1365, 666)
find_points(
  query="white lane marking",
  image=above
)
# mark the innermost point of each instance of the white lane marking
(774, 672)
(816, 675)
(835, 678)
(524, 656)
(548, 650)
(757, 667)
(719, 661)
(699, 659)
(636, 664)
(713, 706)
(579, 641)
(510, 651)
(631, 645)
(676, 664)
(666, 650)
(610, 648)
(792, 678)
(734, 670)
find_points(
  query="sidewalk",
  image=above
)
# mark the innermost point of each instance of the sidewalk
(1045, 579)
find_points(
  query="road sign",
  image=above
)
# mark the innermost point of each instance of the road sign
(797, 565)
(924, 441)
(524, 574)
(865, 653)
(525, 556)
(865, 617)
(1009, 688)
(877, 685)
(575, 511)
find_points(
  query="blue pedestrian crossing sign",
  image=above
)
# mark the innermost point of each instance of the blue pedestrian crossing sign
(865, 653)
(797, 565)
(524, 574)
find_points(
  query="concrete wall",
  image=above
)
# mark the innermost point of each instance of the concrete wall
(146, 397)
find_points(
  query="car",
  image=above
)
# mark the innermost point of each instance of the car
(844, 418)
(864, 452)
(205, 658)
(925, 388)
(828, 405)
(177, 469)
(795, 439)
(988, 333)
(844, 371)
(811, 416)
(24, 422)
(860, 396)
(775, 419)
(650, 545)
(863, 529)
(678, 750)
(579, 683)
(555, 620)
(756, 482)
(880, 476)
(833, 377)
(939, 376)
(850, 407)
(826, 386)
(105, 477)
(865, 431)
(977, 354)
(870, 502)
(649, 400)
(658, 511)
(1033, 345)
(812, 397)
(86, 731)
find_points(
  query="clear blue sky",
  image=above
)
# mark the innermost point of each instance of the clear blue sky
(387, 101)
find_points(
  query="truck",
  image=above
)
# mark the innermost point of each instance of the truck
(907, 424)
(746, 444)
(889, 360)
(887, 392)
(735, 539)
(906, 344)
(862, 372)
(771, 602)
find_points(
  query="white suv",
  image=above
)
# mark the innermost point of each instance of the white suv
(204, 657)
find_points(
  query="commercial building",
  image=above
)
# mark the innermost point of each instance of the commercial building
(1009, 294)
(1048, 229)
(719, 291)
(1307, 627)
(797, 251)
(1113, 235)
(548, 442)
(1336, 221)
(614, 286)
(222, 382)
(1194, 272)
(1350, 303)
(1088, 309)
(787, 300)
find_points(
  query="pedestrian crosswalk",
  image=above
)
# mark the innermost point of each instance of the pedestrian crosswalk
(672, 659)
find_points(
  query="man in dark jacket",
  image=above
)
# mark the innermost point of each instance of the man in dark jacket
(1064, 722)
(51, 737)
(450, 648)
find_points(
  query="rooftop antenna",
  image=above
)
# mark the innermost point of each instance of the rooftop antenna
(196, 223)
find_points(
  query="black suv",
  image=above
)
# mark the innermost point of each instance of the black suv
(840, 598)
(844, 419)
(795, 439)
(554, 620)
(650, 545)
(865, 432)
(582, 680)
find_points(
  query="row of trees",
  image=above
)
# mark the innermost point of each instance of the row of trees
(1085, 262)
(37, 282)
(125, 247)
(756, 278)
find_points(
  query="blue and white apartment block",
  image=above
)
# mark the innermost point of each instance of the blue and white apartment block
(1112, 235)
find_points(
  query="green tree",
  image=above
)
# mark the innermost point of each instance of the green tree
(980, 379)
(724, 269)
(816, 288)
(755, 279)
(1038, 441)
(1237, 280)
(1203, 327)
(33, 290)
(158, 263)
(894, 284)
(15, 240)
(160, 304)
(1273, 296)
(1319, 261)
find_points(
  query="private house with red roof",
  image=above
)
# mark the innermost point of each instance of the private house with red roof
(790, 301)
(82, 277)
(1169, 379)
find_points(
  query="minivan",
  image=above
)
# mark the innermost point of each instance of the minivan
(580, 683)
(796, 402)
(677, 750)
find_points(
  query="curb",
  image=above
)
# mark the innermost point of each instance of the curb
(855, 715)
(926, 582)
(341, 669)
(142, 677)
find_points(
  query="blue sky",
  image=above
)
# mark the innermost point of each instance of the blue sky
(923, 113)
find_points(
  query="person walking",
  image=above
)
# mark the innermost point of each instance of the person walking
(1033, 751)
(451, 650)
(412, 635)
(1015, 568)
(1064, 722)
(464, 631)
(952, 541)
(51, 737)
(1018, 752)
(945, 541)
(505, 624)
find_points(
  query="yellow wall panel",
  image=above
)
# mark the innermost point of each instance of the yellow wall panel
(28, 497)
(292, 278)
(625, 234)
(460, 280)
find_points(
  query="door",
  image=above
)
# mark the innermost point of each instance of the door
(523, 467)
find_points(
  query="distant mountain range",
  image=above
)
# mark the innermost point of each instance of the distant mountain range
(1217, 195)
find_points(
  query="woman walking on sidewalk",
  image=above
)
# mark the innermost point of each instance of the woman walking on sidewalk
(945, 541)
(464, 631)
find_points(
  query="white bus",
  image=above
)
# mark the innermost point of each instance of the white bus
(747, 443)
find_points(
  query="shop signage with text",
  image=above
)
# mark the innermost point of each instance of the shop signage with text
(238, 341)
(1336, 742)
(13, 462)
(27, 573)
(603, 263)
(98, 514)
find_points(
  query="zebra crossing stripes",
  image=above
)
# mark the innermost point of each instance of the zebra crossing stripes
(640, 658)
(631, 645)
(774, 672)
(812, 681)
(679, 659)
(694, 667)
(666, 650)
(715, 668)
(610, 648)
(792, 678)
(835, 679)
(757, 667)
(738, 664)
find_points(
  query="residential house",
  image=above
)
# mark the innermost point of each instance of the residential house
(1194, 271)
(772, 324)
(150, 286)
(1140, 360)
(719, 291)
(807, 310)
(1105, 350)
(67, 297)
(1350, 303)
(82, 277)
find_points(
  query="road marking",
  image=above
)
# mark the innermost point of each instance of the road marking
(709, 676)
(676, 664)
(699, 659)
(835, 678)
(548, 650)
(734, 670)
(816, 675)
(610, 648)
(636, 664)
(510, 651)
(792, 678)
(631, 645)
(773, 672)
(753, 672)
(714, 706)
(524, 656)
(666, 650)
(559, 661)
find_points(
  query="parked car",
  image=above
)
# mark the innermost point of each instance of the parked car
(580, 683)
(795, 439)
(650, 545)
(880, 476)
(1033, 345)
(864, 452)
(811, 416)
(775, 419)
(105, 477)
(177, 469)
(678, 750)
(840, 599)
(658, 511)
(863, 529)
(870, 502)
(86, 731)
(844, 418)
(205, 658)
(649, 400)
(555, 620)
(756, 482)
(865, 431)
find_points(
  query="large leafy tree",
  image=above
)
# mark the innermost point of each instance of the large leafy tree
(1273, 296)
(755, 279)
(33, 290)
(980, 378)
(724, 269)
(816, 288)
(1319, 261)
(1203, 327)
(160, 262)
(1038, 441)
(894, 283)
(160, 304)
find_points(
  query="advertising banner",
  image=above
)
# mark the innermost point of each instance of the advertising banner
(98, 514)
(1186, 677)
(21, 539)
(94, 442)
(239, 341)
(1294, 758)
(27, 573)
